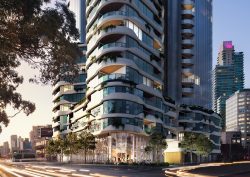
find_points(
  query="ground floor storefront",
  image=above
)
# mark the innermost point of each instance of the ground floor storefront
(117, 148)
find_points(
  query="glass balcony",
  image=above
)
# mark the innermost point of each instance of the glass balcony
(114, 44)
(113, 77)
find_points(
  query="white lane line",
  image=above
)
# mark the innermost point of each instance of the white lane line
(44, 174)
(74, 174)
(98, 174)
(24, 172)
(60, 169)
(7, 169)
(84, 170)
(47, 173)
(66, 171)
(51, 171)
(45, 167)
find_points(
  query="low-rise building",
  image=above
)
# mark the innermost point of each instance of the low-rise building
(40, 147)
(231, 146)
(238, 114)
(231, 137)
(39, 137)
(35, 134)
(197, 120)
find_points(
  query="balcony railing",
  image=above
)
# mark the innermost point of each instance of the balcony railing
(113, 44)
(113, 77)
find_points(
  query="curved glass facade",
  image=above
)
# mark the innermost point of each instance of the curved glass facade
(66, 94)
(125, 63)
(124, 101)
(122, 106)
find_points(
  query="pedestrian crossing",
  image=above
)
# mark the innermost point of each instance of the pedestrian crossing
(43, 171)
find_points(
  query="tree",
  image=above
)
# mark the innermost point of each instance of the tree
(148, 149)
(60, 146)
(157, 143)
(198, 143)
(86, 142)
(71, 146)
(51, 148)
(188, 143)
(203, 145)
(40, 36)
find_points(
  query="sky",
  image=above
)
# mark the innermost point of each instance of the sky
(230, 22)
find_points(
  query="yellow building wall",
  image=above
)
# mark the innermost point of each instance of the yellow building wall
(174, 157)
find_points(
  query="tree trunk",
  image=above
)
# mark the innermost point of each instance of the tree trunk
(61, 158)
(85, 152)
(191, 157)
(157, 156)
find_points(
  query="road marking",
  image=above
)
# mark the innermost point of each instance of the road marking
(47, 173)
(66, 171)
(84, 170)
(51, 171)
(7, 169)
(44, 167)
(24, 172)
(39, 172)
(74, 174)
(98, 174)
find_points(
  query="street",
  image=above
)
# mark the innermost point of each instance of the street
(21, 169)
(235, 169)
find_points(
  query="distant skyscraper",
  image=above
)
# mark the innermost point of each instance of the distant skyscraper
(189, 62)
(26, 144)
(79, 8)
(228, 76)
(238, 61)
(13, 143)
(238, 114)
(20, 143)
(5, 149)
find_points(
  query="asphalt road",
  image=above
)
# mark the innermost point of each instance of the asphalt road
(227, 170)
(235, 169)
(20, 169)
(247, 174)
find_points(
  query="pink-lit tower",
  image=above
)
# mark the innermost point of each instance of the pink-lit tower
(228, 77)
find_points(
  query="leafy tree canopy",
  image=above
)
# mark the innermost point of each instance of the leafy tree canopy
(157, 143)
(197, 142)
(86, 142)
(204, 145)
(40, 36)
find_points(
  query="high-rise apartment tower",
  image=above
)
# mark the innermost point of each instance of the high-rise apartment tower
(189, 49)
(66, 94)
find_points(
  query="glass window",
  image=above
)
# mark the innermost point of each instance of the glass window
(122, 106)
